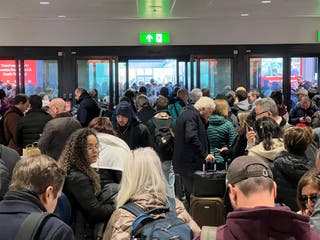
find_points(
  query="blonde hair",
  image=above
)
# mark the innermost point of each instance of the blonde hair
(242, 116)
(205, 103)
(142, 175)
(222, 107)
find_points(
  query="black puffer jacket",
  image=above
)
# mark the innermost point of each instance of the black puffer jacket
(87, 208)
(30, 127)
(288, 169)
(88, 109)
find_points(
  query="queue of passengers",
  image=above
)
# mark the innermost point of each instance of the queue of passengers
(92, 166)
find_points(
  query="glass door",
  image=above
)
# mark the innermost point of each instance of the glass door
(212, 73)
(100, 74)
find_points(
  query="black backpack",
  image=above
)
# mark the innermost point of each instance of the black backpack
(147, 227)
(163, 138)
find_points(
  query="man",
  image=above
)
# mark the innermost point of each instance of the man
(88, 107)
(190, 142)
(11, 119)
(253, 96)
(35, 187)
(30, 127)
(134, 133)
(182, 101)
(252, 194)
(164, 121)
(57, 131)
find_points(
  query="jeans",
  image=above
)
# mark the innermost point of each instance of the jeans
(167, 169)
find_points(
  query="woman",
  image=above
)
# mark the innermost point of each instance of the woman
(82, 184)
(268, 137)
(291, 164)
(143, 183)
(308, 188)
(113, 151)
(221, 132)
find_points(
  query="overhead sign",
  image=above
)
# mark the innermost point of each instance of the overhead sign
(318, 35)
(155, 38)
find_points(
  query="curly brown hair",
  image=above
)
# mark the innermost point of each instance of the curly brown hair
(73, 156)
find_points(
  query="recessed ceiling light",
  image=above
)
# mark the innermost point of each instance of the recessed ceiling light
(44, 3)
(266, 1)
(61, 16)
(244, 14)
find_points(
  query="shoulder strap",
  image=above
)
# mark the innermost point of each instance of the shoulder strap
(172, 207)
(31, 225)
(133, 208)
(167, 122)
(208, 233)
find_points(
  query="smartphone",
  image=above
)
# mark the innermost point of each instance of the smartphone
(248, 126)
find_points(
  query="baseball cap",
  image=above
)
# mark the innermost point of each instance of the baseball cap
(302, 91)
(245, 167)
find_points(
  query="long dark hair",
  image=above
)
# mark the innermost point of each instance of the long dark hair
(266, 129)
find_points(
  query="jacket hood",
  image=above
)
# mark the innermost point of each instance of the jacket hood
(216, 119)
(243, 105)
(267, 223)
(276, 148)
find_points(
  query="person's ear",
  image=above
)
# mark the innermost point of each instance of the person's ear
(233, 195)
(274, 190)
(45, 196)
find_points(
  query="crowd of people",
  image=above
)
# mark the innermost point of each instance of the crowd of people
(93, 162)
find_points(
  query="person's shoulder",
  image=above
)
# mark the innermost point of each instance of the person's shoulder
(56, 229)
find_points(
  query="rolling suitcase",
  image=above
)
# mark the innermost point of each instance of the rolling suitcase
(209, 183)
(207, 211)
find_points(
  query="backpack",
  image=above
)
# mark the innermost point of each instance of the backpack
(163, 138)
(170, 227)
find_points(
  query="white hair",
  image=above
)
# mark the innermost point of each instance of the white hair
(195, 95)
(205, 103)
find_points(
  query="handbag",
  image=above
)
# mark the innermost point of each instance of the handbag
(31, 149)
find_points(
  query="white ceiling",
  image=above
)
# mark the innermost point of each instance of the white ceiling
(178, 9)
(190, 22)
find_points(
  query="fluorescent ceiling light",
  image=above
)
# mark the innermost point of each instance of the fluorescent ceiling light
(44, 3)
(61, 16)
(266, 1)
(244, 14)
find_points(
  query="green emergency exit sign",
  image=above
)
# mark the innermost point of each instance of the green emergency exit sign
(154, 37)
(318, 35)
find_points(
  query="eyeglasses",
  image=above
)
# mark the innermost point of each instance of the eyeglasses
(258, 114)
(312, 198)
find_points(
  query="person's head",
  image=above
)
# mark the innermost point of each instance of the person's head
(307, 190)
(277, 97)
(81, 150)
(162, 103)
(124, 113)
(21, 102)
(266, 107)
(164, 91)
(205, 106)
(35, 102)
(305, 102)
(250, 183)
(78, 92)
(143, 90)
(195, 95)
(41, 175)
(103, 125)
(56, 106)
(183, 94)
(253, 95)
(142, 101)
(241, 95)
(205, 92)
(129, 94)
(297, 139)
(143, 174)
(266, 129)
(231, 97)
(94, 93)
(222, 107)
(301, 92)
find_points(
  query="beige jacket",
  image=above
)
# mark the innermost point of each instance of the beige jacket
(120, 222)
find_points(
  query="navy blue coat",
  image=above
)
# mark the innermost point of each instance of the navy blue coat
(190, 142)
(88, 109)
(13, 212)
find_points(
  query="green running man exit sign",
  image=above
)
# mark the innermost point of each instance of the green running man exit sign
(154, 37)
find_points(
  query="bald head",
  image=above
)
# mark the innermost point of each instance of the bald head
(57, 105)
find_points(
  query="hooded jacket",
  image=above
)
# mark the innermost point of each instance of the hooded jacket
(266, 223)
(221, 133)
(268, 155)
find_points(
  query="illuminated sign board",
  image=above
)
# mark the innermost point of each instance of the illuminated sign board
(155, 38)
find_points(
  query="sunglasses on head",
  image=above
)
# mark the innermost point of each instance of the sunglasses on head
(304, 199)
